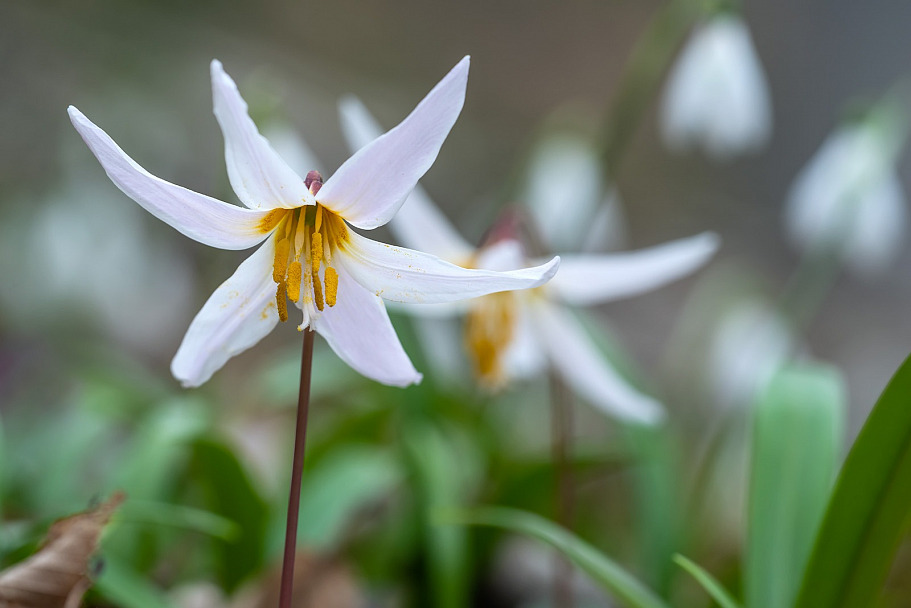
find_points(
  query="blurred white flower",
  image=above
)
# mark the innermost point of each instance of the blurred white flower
(517, 334)
(849, 198)
(717, 97)
(65, 255)
(583, 204)
(310, 254)
(749, 345)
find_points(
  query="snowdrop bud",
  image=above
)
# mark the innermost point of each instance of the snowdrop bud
(564, 190)
(717, 97)
(750, 344)
(849, 197)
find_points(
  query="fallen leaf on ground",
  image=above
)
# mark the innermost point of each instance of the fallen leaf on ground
(57, 576)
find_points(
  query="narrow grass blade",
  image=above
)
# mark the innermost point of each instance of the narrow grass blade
(708, 582)
(622, 585)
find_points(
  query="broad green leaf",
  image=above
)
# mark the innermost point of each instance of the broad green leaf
(871, 502)
(657, 494)
(797, 432)
(708, 582)
(622, 585)
(146, 471)
(441, 483)
(333, 490)
(127, 589)
(229, 492)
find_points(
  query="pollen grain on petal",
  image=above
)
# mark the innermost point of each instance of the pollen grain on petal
(271, 220)
(331, 286)
(294, 281)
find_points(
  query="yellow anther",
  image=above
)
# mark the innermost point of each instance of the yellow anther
(294, 281)
(331, 285)
(281, 300)
(317, 292)
(316, 251)
(318, 219)
(280, 265)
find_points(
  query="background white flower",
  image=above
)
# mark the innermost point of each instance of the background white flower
(849, 197)
(717, 97)
(517, 334)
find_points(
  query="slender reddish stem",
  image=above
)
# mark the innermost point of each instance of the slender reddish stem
(300, 442)
(561, 424)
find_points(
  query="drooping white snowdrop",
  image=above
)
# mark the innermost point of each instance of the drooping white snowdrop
(584, 213)
(310, 254)
(717, 97)
(518, 334)
(849, 198)
(750, 344)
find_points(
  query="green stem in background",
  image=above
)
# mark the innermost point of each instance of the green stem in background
(644, 74)
(561, 425)
(297, 468)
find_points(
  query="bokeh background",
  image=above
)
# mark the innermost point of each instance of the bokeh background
(95, 294)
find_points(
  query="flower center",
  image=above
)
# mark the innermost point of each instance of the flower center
(302, 269)
(489, 330)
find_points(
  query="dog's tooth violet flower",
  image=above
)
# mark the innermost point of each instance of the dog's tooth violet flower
(517, 334)
(311, 256)
(717, 97)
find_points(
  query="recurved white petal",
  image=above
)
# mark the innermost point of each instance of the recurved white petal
(238, 315)
(588, 279)
(259, 176)
(369, 187)
(198, 216)
(585, 370)
(359, 331)
(419, 224)
(405, 275)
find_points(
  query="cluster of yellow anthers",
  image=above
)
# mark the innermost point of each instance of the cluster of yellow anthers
(489, 331)
(306, 232)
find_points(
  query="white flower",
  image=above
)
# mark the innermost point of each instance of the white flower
(750, 344)
(584, 209)
(310, 254)
(849, 197)
(717, 97)
(516, 334)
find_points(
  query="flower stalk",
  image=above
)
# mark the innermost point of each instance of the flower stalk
(297, 468)
(561, 425)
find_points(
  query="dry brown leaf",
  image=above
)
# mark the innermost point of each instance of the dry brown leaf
(57, 576)
(319, 582)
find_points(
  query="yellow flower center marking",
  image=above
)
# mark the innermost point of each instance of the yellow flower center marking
(489, 330)
(309, 233)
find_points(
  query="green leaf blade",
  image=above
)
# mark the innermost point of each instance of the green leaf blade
(707, 581)
(871, 501)
(622, 585)
(797, 434)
